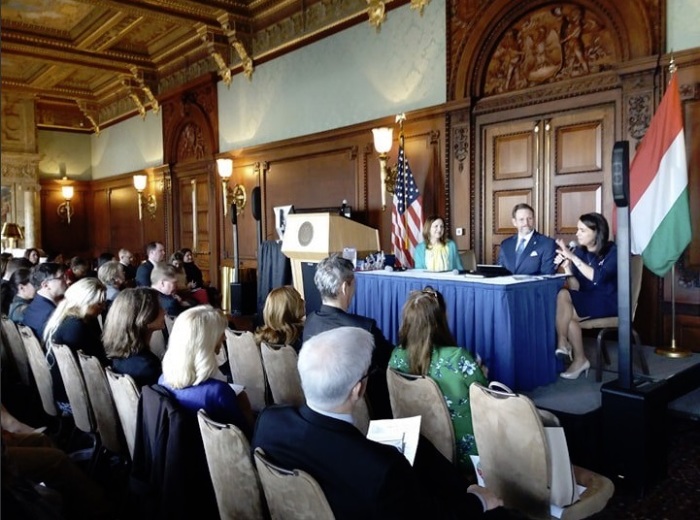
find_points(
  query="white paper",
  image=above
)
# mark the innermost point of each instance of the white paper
(557, 511)
(402, 433)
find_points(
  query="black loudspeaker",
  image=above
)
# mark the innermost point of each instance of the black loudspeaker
(234, 214)
(255, 204)
(244, 298)
(621, 173)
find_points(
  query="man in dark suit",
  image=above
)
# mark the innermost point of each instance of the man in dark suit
(335, 280)
(155, 253)
(528, 252)
(359, 477)
(50, 285)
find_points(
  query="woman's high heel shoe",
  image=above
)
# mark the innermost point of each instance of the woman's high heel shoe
(563, 351)
(573, 374)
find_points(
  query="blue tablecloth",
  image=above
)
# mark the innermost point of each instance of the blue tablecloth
(508, 321)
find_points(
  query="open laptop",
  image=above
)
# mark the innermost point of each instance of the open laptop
(488, 271)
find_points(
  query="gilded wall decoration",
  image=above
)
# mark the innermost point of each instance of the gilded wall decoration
(548, 45)
(461, 145)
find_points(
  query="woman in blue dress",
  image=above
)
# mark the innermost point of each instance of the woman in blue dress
(592, 288)
(191, 373)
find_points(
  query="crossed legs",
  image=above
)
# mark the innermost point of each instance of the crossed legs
(569, 334)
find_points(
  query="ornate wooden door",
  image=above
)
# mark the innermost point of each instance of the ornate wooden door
(559, 163)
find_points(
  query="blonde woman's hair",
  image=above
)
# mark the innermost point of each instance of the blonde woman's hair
(190, 358)
(126, 329)
(283, 315)
(111, 273)
(76, 303)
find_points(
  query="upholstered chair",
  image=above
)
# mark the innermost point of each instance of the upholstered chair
(280, 363)
(13, 340)
(246, 367)
(40, 369)
(126, 401)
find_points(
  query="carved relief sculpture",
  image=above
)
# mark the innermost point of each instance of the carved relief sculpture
(550, 44)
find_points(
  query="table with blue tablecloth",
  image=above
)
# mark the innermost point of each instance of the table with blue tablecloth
(509, 321)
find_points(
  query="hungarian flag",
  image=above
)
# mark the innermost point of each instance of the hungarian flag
(407, 215)
(660, 212)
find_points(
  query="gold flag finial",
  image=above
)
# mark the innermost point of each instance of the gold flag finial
(672, 67)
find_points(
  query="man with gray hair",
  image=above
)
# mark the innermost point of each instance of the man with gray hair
(360, 478)
(335, 280)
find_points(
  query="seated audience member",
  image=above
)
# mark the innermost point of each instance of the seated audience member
(4, 259)
(527, 252)
(164, 280)
(335, 280)
(193, 276)
(190, 369)
(126, 259)
(592, 290)
(79, 269)
(183, 291)
(427, 348)
(436, 252)
(33, 255)
(283, 315)
(104, 258)
(55, 257)
(30, 458)
(155, 254)
(50, 285)
(359, 477)
(16, 263)
(134, 316)
(111, 274)
(74, 324)
(22, 294)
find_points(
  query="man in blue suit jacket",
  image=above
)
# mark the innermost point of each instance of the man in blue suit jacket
(359, 477)
(528, 252)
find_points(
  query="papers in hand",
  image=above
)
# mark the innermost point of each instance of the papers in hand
(403, 434)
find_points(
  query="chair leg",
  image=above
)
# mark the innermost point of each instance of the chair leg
(640, 352)
(599, 358)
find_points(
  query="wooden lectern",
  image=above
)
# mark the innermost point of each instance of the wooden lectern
(311, 237)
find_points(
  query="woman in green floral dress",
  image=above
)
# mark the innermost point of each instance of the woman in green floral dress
(426, 347)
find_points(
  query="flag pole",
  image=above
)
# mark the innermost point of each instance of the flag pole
(400, 118)
(673, 351)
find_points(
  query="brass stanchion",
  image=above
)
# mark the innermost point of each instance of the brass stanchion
(673, 351)
(226, 277)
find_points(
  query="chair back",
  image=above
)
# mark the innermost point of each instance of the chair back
(468, 259)
(75, 388)
(15, 345)
(126, 401)
(40, 369)
(158, 344)
(291, 494)
(246, 366)
(236, 485)
(636, 272)
(512, 449)
(412, 395)
(280, 363)
(103, 409)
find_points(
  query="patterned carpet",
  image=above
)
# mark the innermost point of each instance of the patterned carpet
(677, 497)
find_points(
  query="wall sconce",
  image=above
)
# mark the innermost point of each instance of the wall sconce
(237, 195)
(140, 182)
(11, 233)
(65, 209)
(383, 139)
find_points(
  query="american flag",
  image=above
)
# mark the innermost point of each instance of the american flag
(407, 215)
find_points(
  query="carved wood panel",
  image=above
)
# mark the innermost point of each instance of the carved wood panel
(554, 163)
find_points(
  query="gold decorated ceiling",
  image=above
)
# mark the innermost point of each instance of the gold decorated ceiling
(89, 63)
